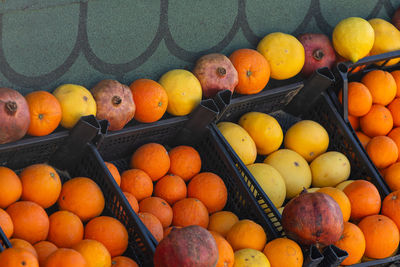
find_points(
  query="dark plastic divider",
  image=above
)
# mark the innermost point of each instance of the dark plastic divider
(5, 243)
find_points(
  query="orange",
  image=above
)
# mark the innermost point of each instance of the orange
(190, 211)
(359, 100)
(226, 256)
(394, 108)
(153, 224)
(6, 223)
(395, 136)
(381, 236)
(364, 139)
(354, 122)
(17, 257)
(171, 188)
(137, 182)
(352, 240)
(185, 162)
(31, 222)
(10, 187)
(210, 189)
(364, 198)
(383, 151)
(66, 229)
(381, 85)
(159, 208)
(391, 207)
(110, 232)
(392, 176)
(222, 221)
(396, 76)
(168, 230)
(150, 98)
(253, 71)
(132, 201)
(340, 198)
(83, 197)
(40, 184)
(65, 257)
(20, 243)
(94, 252)
(246, 234)
(45, 111)
(283, 252)
(114, 172)
(378, 121)
(44, 249)
(122, 261)
(153, 159)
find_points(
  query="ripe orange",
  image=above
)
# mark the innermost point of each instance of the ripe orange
(395, 136)
(137, 182)
(185, 162)
(396, 76)
(226, 256)
(122, 261)
(83, 197)
(391, 207)
(6, 223)
(340, 198)
(94, 252)
(44, 249)
(20, 243)
(66, 229)
(10, 187)
(190, 211)
(354, 122)
(364, 139)
(132, 201)
(65, 257)
(45, 111)
(31, 222)
(114, 172)
(150, 98)
(222, 221)
(210, 189)
(284, 252)
(110, 232)
(246, 234)
(394, 108)
(159, 208)
(151, 158)
(378, 121)
(382, 86)
(253, 71)
(392, 176)
(153, 224)
(40, 184)
(352, 240)
(383, 151)
(13, 257)
(359, 99)
(171, 188)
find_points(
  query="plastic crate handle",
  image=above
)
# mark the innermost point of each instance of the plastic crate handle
(222, 99)
(312, 257)
(333, 256)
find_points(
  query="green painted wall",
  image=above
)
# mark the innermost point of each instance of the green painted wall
(45, 43)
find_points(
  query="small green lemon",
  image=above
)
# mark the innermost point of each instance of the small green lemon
(284, 53)
(353, 38)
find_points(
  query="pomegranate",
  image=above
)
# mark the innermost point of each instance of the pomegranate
(114, 103)
(313, 218)
(215, 73)
(396, 19)
(191, 246)
(14, 116)
(319, 52)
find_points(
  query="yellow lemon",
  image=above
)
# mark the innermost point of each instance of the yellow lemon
(284, 53)
(308, 138)
(183, 90)
(240, 141)
(250, 258)
(76, 101)
(387, 38)
(353, 38)
(343, 184)
(264, 130)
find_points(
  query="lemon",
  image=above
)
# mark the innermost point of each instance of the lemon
(387, 38)
(264, 130)
(183, 90)
(284, 53)
(76, 101)
(250, 258)
(343, 185)
(353, 38)
(240, 141)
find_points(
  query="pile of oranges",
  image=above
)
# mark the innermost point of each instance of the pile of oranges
(74, 235)
(374, 113)
(168, 190)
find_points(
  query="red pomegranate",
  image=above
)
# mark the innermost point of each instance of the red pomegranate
(114, 103)
(215, 73)
(14, 116)
(396, 19)
(191, 246)
(319, 52)
(313, 218)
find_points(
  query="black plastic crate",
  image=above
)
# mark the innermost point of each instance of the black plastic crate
(73, 157)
